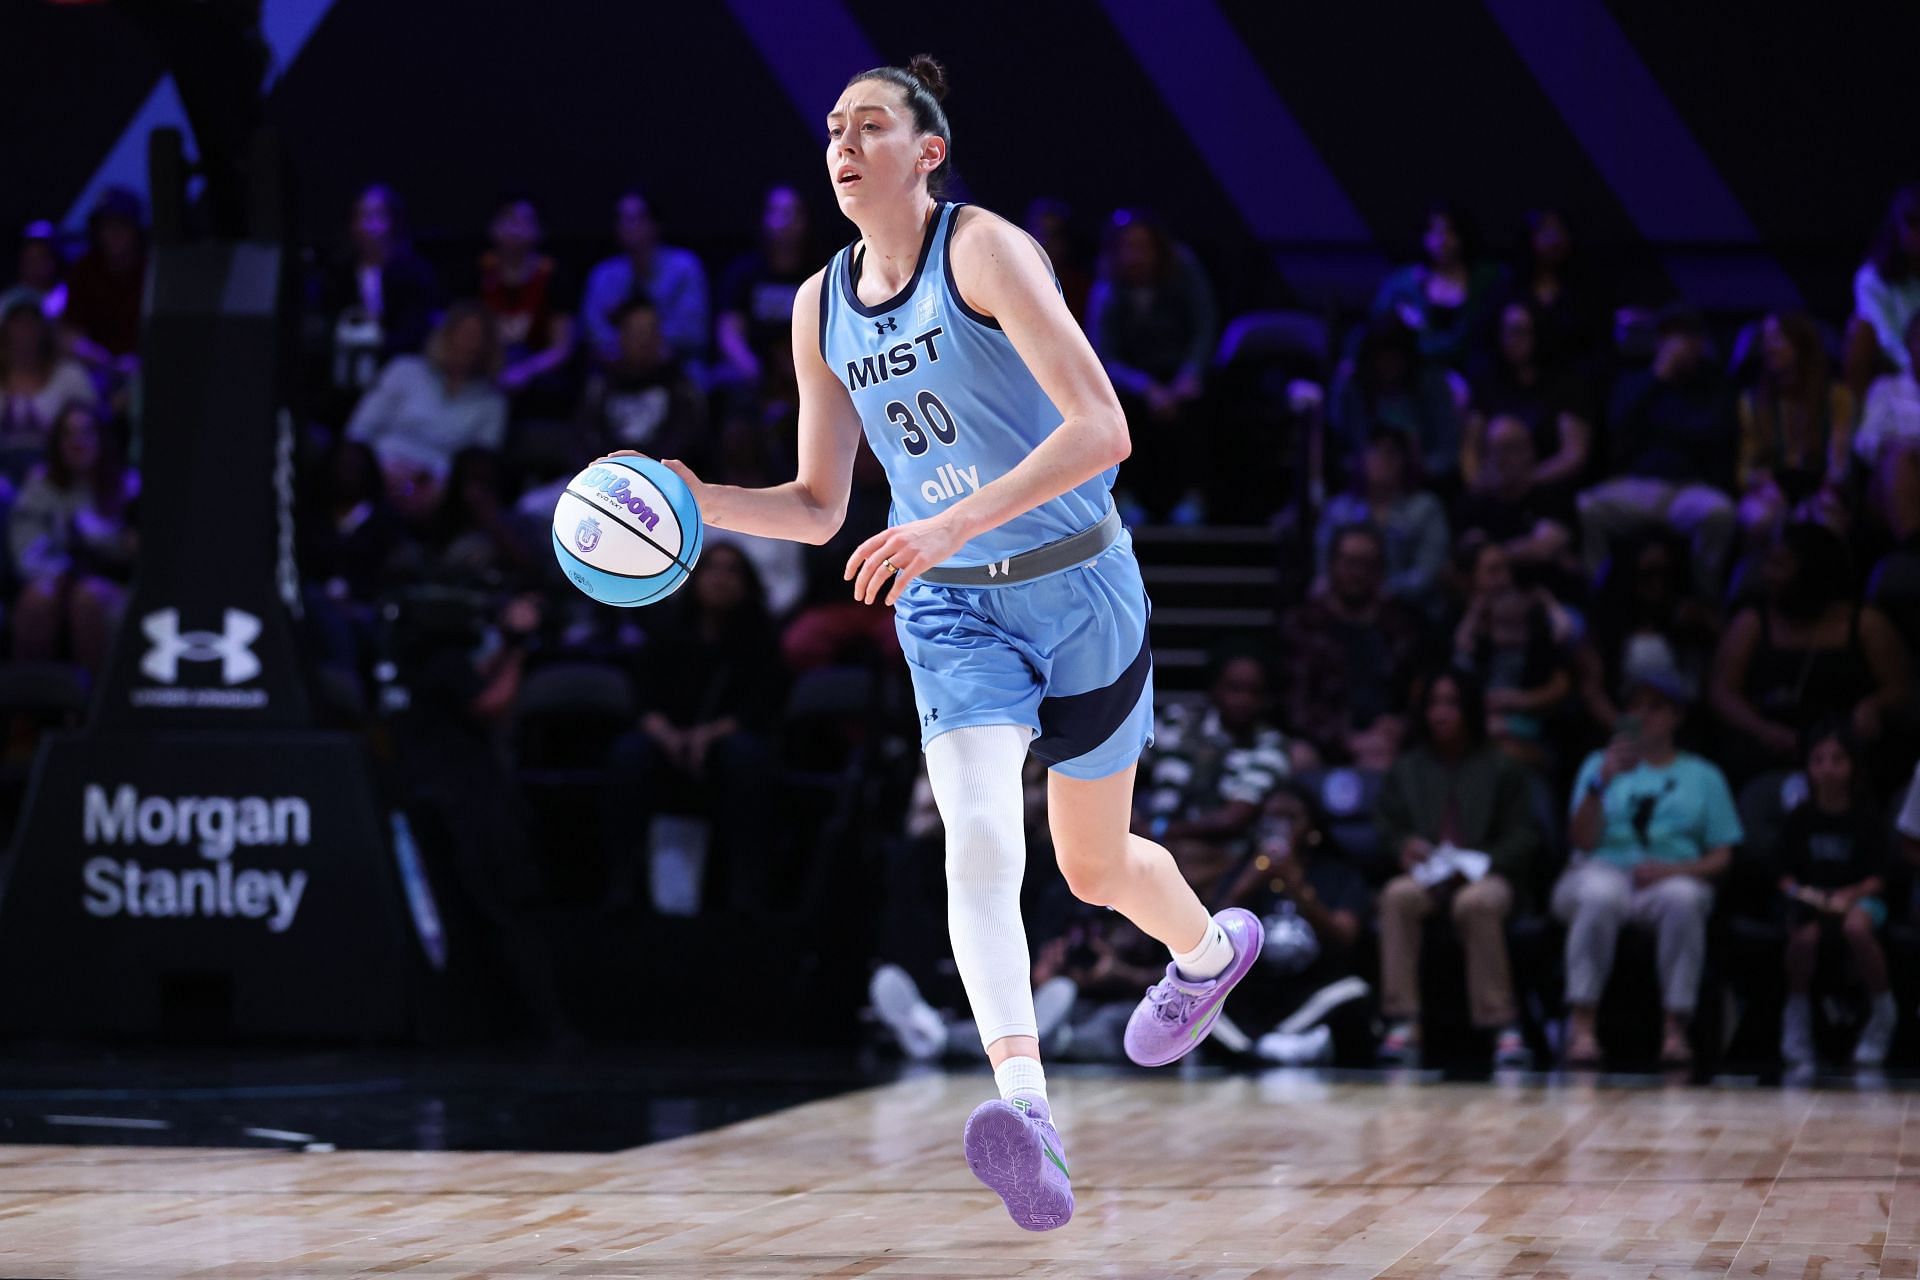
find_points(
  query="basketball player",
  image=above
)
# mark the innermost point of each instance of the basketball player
(942, 335)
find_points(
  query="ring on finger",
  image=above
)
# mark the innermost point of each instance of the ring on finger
(889, 566)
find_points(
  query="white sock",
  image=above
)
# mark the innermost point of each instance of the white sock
(1023, 1074)
(1207, 960)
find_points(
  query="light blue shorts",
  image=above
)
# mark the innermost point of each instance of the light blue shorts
(1065, 655)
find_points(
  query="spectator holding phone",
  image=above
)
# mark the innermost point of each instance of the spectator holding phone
(1833, 858)
(1652, 828)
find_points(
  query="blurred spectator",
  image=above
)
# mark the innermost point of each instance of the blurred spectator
(1350, 653)
(532, 303)
(1646, 592)
(1796, 424)
(106, 285)
(1569, 316)
(1833, 867)
(1316, 907)
(1891, 418)
(1506, 640)
(427, 408)
(1387, 385)
(1886, 295)
(1509, 506)
(1809, 650)
(1652, 828)
(1209, 771)
(348, 535)
(672, 278)
(377, 298)
(477, 537)
(1151, 318)
(755, 331)
(643, 398)
(41, 267)
(1444, 297)
(1520, 381)
(72, 541)
(1050, 221)
(709, 685)
(1453, 791)
(1412, 522)
(35, 381)
(1673, 445)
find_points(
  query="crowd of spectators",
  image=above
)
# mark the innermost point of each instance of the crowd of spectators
(1594, 570)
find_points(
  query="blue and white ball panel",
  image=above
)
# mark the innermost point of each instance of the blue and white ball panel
(627, 531)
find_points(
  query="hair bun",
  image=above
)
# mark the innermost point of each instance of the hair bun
(925, 68)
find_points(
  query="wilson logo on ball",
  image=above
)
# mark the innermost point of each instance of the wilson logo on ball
(618, 488)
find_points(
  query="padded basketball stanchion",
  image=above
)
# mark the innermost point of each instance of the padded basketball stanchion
(198, 858)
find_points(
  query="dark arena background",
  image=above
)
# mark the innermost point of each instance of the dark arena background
(1525, 474)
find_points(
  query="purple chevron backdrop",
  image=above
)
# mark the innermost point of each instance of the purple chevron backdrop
(1746, 153)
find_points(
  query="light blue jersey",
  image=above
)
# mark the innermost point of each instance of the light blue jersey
(946, 402)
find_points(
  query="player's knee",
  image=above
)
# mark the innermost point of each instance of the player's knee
(984, 848)
(1092, 878)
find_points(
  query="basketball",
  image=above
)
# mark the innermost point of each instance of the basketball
(627, 531)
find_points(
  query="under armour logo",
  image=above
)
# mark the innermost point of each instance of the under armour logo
(888, 325)
(930, 717)
(1004, 566)
(231, 648)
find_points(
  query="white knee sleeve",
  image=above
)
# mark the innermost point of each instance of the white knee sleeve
(975, 774)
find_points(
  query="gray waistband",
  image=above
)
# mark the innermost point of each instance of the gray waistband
(1065, 553)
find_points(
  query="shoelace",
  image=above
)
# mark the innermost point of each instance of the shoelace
(1170, 1003)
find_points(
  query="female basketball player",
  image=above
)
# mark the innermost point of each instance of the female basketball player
(942, 335)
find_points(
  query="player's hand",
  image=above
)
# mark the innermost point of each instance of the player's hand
(901, 553)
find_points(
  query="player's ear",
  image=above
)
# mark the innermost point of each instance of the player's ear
(932, 152)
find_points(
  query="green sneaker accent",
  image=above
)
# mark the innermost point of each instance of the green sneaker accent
(1057, 1163)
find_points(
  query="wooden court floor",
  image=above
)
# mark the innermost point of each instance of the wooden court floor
(1195, 1179)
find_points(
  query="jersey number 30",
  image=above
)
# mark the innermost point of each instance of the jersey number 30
(914, 436)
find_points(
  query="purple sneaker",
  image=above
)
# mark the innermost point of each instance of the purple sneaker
(1013, 1147)
(1177, 1014)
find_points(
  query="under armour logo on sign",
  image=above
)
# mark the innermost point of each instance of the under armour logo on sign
(888, 325)
(231, 648)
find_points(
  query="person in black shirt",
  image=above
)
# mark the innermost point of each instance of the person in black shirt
(643, 398)
(1531, 521)
(1833, 857)
(755, 328)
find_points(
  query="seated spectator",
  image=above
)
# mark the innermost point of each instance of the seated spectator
(42, 269)
(476, 536)
(1505, 639)
(1351, 652)
(105, 289)
(710, 693)
(1315, 905)
(377, 300)
(1387, 385)
(532, 304)
(1207, 774)
(427, 408)
(1453, 791)
(1412, 521)
(1444, 297)
(1511, 508)
(1151, 318)
(1796, 425)
(348, 535)
(672, 278)
(643, 398)
(1833, 868)
(1673, 443)
(1652, 828)
(1809, 651)
(35, 382)
(1050, 221)
(1646, 593)
(1890, 421)
(1521, 382)
(755, 331)
(1886, 296)
(72, 541)
(1569, 315)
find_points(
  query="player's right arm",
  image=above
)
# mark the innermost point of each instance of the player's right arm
(811, 506)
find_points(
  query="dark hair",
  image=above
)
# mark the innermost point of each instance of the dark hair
(396, 210)
(1886, 255)
(109, 470)
(1830, 728)
(638, 300)
(1228, 652)
(1463, 226)
(1386, 334)
(1823, 567)
(24, 300)
(753, 617)
(1363, 528)
(512, 196)
(116, 202)
(1318, 823)
(923, 82)
(1473, 704)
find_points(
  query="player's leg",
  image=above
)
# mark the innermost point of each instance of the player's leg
(1107, 865)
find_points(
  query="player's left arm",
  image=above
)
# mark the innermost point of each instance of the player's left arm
(1002, 273)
